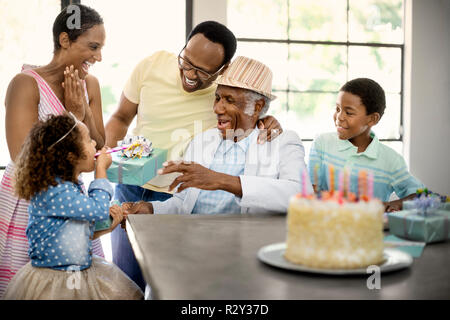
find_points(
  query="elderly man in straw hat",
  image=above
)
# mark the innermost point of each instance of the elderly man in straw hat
(225, 170)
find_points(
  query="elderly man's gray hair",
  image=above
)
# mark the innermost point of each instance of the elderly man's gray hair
(251, 97)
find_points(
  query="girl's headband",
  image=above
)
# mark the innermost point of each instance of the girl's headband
(76, 122)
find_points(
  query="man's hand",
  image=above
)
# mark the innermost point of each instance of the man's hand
(141, 207)
(193, 175)
(269, 128)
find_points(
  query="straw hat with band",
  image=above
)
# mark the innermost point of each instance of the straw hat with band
(248, 74)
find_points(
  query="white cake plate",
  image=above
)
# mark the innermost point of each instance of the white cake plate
(273, 254)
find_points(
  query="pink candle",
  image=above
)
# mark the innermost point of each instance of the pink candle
(370, 185)
(341, 182)
(304, 192)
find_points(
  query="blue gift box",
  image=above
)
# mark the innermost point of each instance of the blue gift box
(136, 171)
(414, 225)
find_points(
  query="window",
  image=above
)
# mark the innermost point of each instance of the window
(133, 32)
(314, 47)
(25, 38)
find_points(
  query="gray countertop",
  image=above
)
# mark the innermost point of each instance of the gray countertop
(215, 257)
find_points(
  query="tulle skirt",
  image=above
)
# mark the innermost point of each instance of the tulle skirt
(101, 281)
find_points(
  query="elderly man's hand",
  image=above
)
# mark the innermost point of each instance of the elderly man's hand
(269, 128)
(193, 175)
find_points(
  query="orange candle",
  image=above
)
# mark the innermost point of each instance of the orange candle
(362, 184)
(331, 174)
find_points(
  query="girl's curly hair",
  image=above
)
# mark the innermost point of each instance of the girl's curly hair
(38, 166)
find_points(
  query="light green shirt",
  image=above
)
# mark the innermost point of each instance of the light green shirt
(388, 167)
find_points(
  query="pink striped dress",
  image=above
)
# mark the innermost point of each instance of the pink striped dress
(14, 211)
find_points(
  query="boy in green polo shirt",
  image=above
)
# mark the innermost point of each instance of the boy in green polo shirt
(360, 105)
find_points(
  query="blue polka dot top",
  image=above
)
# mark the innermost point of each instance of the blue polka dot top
(61, 224)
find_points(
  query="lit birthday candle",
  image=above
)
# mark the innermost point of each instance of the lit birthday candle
(370, 185)
(331, 174)
(362, 184)
(341, 185)
(365, 184)
(346, 182)
(341, 182)
(304, 176)
(316, 177)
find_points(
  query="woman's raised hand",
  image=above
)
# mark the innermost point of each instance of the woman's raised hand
(74, 97)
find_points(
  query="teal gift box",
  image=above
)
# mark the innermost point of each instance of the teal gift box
(105, 224)
(136, 171)
(412, 225)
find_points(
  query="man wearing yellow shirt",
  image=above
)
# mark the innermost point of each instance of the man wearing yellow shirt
(172, 97)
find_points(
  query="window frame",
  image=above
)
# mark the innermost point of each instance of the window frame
(346, 44)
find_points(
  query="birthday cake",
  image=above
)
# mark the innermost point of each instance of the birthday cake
(332, 231)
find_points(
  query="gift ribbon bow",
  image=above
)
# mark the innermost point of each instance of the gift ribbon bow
(132, 147)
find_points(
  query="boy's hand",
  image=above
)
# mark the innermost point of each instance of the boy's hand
(392, 206)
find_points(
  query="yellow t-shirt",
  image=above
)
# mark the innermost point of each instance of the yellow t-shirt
(168, 115)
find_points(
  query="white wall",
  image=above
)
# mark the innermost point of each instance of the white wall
(427, 92)
(204, 10)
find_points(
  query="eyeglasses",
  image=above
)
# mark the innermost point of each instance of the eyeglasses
(76, 122)
(202, 74)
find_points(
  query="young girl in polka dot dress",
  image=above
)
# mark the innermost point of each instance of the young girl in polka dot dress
(62, 218)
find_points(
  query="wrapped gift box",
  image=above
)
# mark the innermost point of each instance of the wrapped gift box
(411, 204)
(103, 224)
(106, 224)
(413, 225)
(136, 171)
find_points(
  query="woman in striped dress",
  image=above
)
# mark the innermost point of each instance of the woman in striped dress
(62, 85)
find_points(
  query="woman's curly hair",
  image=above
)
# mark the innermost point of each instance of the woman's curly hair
(38, 165)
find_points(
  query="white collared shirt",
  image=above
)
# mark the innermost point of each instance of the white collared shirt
(229, 159)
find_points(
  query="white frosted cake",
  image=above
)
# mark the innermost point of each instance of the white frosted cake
(334, 234)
